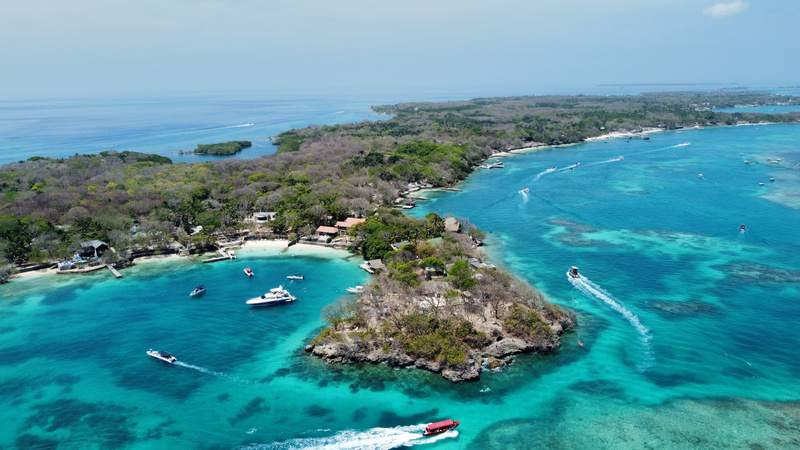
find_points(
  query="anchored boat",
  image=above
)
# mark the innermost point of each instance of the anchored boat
(273, 297)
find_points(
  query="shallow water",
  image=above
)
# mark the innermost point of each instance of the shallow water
(687, 322)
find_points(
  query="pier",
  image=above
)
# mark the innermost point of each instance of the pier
(113, 270)
(220, 258)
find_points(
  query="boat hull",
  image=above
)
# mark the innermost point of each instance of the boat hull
(155, 355)
(263, 302)
(432, 432)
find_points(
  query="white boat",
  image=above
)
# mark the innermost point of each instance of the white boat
(494, 165)
(231, 254)
(296, 276)
(355, 290)
(198, 291)
(248, 272)
(163, 356)
(573, 272)
(273, 297)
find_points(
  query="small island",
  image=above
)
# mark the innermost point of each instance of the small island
(435, 305)
(222, 149)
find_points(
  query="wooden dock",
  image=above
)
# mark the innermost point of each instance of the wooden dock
(219, 258)
(113, 270)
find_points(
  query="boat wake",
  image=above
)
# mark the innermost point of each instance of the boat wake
(375, 438)
(685, 144)
(525, 197)
(620, 158)
(591, 289)
(544, 172)
(210, 372)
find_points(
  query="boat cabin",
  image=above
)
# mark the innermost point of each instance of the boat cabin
(573, 272)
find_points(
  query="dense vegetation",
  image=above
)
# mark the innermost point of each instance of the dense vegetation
(320, 175)
(223, 149)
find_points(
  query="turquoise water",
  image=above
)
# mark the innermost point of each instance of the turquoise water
(688, 323)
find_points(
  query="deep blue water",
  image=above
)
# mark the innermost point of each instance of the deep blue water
(165, 127)
(687, 322)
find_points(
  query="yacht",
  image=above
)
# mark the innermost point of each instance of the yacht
(355, 290)
(199, 290)
(273, 297)
(163, 356)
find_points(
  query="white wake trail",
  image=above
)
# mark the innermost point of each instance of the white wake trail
(375, 438)
(590, 289)
(584, 285)
(210, 372)
(544, 172)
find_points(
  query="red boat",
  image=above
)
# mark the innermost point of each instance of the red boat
(440, 427)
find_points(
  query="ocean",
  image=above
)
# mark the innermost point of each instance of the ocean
(686, 321)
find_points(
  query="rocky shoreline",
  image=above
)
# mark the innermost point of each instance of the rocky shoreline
(350, 347)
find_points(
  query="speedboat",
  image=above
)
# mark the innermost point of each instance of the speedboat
(771, 178)
(296, 276)
(248, 272)
(355, 290)
(163, 356)
(273, 297)
(199, 290)
(231, 254)
(440, 427)
(573, 272)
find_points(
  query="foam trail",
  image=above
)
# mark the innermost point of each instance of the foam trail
(585, 285)
(375, 438)
(209, 371)
(606, 161)
(525, 197)
(544, 172)
(685, 144)
(230, 126)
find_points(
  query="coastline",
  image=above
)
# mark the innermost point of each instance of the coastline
(261, 245)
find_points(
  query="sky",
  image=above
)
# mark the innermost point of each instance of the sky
(95, 48)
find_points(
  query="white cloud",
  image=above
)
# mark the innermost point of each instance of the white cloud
(726, 9)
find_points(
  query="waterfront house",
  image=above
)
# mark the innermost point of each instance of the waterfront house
(94, 248)
(327, 232)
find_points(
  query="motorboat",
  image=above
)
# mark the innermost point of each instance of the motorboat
(248, 271)
(573, 272)
(199, 290)
(771, 178)
(275, 296)
(440, 427)
(494, 165)
(296, 276)
(355, 290)
(163, 356)
(231, 254)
